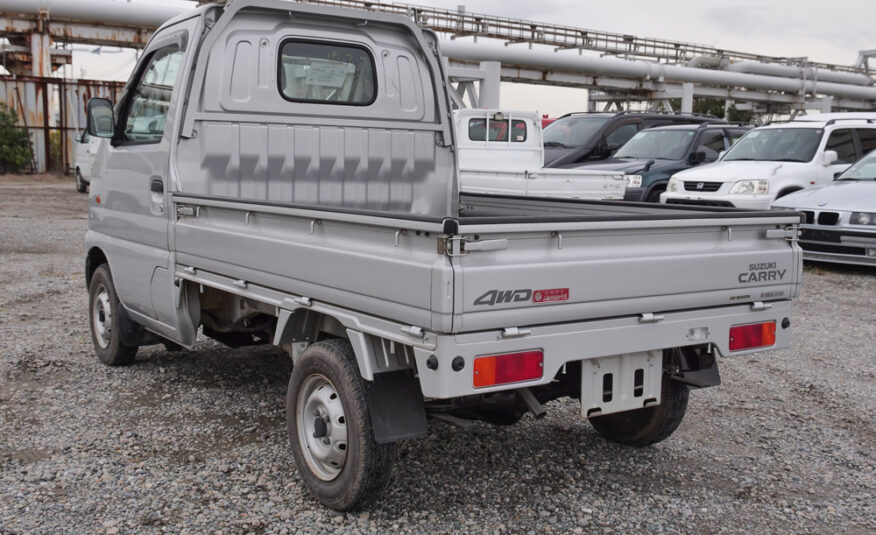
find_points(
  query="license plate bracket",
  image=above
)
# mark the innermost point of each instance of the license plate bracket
(620, 383)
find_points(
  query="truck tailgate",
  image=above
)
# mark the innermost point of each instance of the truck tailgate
(572, 271)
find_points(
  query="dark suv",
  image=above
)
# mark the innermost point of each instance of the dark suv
(658, 153)
(586, 137)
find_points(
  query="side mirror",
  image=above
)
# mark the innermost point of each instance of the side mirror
(830, 156)
(697, 157)
(611, 148)
(100, 119)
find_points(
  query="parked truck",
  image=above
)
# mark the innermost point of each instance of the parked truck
(501, 152)
(284, 173)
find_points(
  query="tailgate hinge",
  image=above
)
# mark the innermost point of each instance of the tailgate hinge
(514, 332)
(650, 317)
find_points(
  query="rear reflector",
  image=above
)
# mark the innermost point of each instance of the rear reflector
(753, 335)
(509, 368)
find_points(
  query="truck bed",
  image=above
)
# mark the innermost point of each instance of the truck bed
(606, 259)
(597, 259)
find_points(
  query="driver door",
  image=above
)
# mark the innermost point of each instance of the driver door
(130, 197)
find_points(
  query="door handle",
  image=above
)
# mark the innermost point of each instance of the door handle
(156, 185)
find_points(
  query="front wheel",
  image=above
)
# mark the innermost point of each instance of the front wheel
(81, 185)
(105, 321)
(643, 427)
(330, 431)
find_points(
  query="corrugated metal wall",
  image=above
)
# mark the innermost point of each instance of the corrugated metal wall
(53, 108)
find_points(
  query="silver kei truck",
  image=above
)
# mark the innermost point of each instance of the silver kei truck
(283, 173)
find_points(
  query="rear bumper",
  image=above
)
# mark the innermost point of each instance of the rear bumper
(562, 343)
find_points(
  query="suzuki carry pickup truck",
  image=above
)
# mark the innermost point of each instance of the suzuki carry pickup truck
(282, 173)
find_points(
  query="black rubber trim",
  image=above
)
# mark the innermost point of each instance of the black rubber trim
(693, 212)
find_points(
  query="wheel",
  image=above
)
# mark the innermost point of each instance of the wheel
(643, 427)
(330, 431)
(105, 320)
(81, 185)
(654, 196)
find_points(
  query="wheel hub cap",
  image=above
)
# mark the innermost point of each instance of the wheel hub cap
(322, 427)
(102, 318)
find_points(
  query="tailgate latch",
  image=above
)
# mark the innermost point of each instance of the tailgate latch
(791, 233)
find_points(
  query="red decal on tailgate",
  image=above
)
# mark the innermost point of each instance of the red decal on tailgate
(547, 296)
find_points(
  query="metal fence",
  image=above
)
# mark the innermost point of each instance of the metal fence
(53, 112)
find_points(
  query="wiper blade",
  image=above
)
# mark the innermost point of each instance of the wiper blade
(789, 160)
(556, 144)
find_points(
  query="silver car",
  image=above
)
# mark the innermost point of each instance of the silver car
(840, 217)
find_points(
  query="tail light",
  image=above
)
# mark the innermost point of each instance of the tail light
(508, 368)
(752, 335)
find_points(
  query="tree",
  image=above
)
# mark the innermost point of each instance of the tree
(15, 152)
(715, 108)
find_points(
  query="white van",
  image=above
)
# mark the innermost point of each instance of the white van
(774, 160)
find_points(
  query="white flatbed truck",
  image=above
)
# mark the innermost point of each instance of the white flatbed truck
(502, 153)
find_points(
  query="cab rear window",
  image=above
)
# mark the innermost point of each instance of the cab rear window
(326, 73)
(489, 129)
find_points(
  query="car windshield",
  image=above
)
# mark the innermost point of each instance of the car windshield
(574, 131)
(657, 145)
(776, 145)
(863, 169)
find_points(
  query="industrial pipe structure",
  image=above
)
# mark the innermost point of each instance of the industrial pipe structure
(790, 71)
(642, 70)
(110, 12)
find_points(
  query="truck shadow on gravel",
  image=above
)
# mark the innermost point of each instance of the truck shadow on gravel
(235, 399)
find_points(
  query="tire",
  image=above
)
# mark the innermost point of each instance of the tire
(643, 427)
(104, 320)
(654, 195)
(81, 186)
(340, 463)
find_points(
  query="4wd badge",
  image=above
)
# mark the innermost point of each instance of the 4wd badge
(494, 297)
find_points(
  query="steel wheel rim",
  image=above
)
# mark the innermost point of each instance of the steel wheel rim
(102, 317)
(324, 445)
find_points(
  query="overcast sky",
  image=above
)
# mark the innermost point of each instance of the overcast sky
(827, 31)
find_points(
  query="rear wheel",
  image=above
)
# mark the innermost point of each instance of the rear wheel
(81, 185)
(106, 322)
(643, 427)
(329, 426)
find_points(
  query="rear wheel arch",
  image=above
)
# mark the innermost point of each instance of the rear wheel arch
(93, 260)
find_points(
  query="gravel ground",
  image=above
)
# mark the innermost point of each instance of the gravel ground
(194, 442)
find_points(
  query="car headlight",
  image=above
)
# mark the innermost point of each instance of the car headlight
(863, 218)
(674, 185)
(750, 187)
(634, 181)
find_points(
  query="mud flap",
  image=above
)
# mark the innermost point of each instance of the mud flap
(396, 405)
(696, 368)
